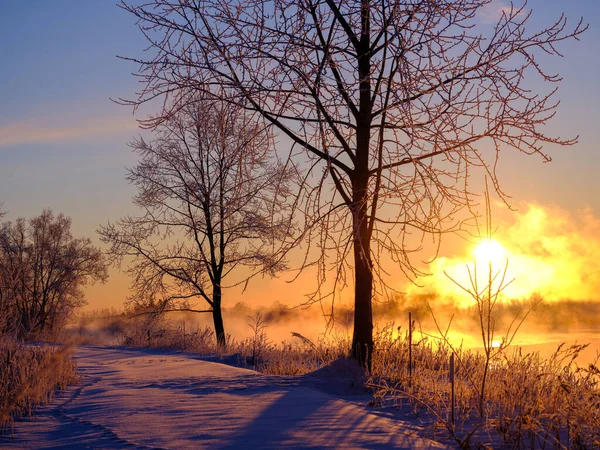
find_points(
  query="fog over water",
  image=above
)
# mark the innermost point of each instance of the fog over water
(547, 325)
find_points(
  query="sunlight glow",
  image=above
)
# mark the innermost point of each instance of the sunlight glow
(550, 253)
(490, 251)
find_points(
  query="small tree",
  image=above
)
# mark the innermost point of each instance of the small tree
(486, 288)
(42, 272)
(213, 201)
(396, 102)
(6, 303)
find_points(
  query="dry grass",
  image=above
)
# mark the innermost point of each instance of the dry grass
(29, 376)
(297, 357)
(529, 402)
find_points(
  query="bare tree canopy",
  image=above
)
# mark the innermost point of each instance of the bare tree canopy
(42, 272)
(213, 202)
(397, 102)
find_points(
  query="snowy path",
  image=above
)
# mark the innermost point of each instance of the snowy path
(131, 398)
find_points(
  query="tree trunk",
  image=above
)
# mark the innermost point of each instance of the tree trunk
(218, 316)
(362, 340)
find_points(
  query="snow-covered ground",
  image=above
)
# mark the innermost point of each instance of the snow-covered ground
(140, 398)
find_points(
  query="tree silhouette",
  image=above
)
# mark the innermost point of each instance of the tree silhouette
(392, 103)
(213, 202)
(42, 272)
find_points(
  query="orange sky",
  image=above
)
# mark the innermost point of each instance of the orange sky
(551, 251)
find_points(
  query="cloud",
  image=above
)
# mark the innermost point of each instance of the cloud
(492, 11)
(41, 130)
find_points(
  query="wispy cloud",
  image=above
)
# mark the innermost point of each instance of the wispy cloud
(43, 130)
(492, 12)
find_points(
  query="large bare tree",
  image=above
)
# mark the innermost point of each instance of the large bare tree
(213, 198)
(43, 270)
(395, 101)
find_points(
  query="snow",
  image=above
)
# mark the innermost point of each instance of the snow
(142, 398)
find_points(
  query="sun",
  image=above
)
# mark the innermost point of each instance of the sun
(490, 251)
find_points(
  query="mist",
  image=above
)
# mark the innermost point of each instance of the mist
(547, 251)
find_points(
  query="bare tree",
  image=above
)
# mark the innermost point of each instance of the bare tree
(396, 101)
(213, 199)
(42, 272)
(7, 310)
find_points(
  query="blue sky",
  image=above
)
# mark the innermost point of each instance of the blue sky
(63, 142)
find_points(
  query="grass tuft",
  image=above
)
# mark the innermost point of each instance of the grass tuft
(29, 376)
